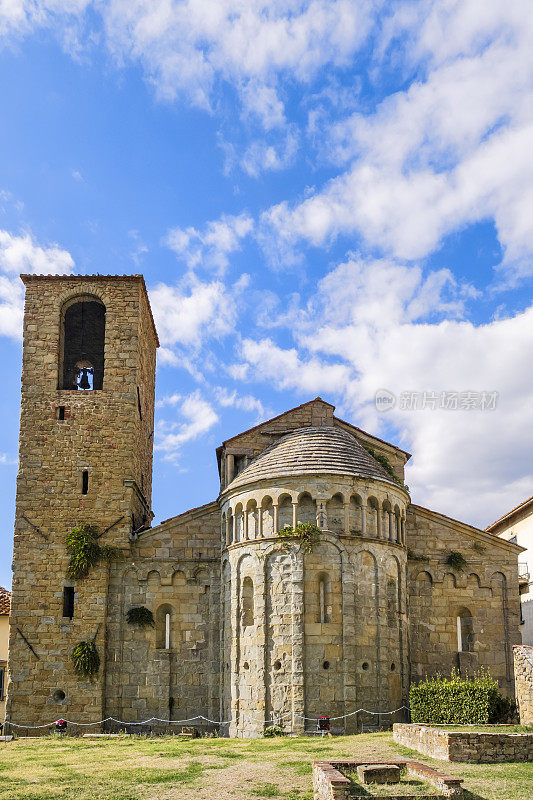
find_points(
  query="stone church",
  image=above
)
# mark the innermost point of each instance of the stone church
(246, 626)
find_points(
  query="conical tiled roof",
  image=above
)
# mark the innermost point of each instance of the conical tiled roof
(322, 450)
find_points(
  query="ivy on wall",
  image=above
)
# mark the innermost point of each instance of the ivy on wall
(387, 466)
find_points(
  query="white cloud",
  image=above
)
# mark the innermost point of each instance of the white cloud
(390, 325)
(197, 417)
(21, 254)
(187, 46)
(246, 402)
(260, 156)
(450, 150)
(210, 247)
(284, 369)
(193, 313)
(8, 460)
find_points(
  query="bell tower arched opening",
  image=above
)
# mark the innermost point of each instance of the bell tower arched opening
(81, 363)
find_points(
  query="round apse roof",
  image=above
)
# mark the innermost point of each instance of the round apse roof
(304, 451)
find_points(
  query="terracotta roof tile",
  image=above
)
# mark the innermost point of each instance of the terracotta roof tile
(5, 601)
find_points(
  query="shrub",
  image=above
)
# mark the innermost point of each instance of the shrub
(456, 561)
(273, 730)
(458, 701)
(86, 660)
(307, 534)
(85, 552)
(139, 615)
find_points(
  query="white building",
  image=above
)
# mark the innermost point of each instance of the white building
(517, 526)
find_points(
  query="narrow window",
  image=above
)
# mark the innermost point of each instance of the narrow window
(84, 481)
(324, 599)
(60, 412)
(68, 601)
(465, 631)
(164, 627)
(139, 403)
(247, 602)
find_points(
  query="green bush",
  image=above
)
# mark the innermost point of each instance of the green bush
(86, 660)
(458, 701)
(307, 534)
(85, 552)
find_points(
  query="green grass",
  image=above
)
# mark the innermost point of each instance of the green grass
(139, 768)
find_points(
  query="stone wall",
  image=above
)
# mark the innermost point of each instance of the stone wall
(62, 434)
(330, 781)
(523, 674)
(487, 589)
(175, 569)
(468, 746)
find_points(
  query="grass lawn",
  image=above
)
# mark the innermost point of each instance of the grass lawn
(136, 768)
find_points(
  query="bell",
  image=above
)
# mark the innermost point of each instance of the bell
(84, 383)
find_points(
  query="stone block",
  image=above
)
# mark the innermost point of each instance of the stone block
(378, 773)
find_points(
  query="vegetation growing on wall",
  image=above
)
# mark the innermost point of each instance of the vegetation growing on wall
(387, 466)
(86, 660)
(456, 561)
(306, 534)
(85, 552)
(141, 616)
(412, 556)
(457, 701)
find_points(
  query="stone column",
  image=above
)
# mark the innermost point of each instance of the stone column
(391, 524)
(245, 520)
(294, 513)
(228, 531)
(230, 468)
(259, 533)
(363, 520)
(276, 518)
(379, 523)
(402, 529)
(234, 533)
(347, 519)
(298, 676)
(321, 515)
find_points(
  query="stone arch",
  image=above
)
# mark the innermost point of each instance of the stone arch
(239, 522)
(252, 519)
(284, 510)
(465, 631)
(386, 517)
(267, 512)
(449, 581)
(306, 508)
(425, 582)
(165, 627)
(82, 343)
(335, 513)
(397, 524)
(372, 511)
(178, 578)
(473, 581)
(355, 522)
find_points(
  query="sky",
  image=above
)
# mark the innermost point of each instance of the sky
(326, 198)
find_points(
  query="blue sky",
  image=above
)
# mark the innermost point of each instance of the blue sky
(326, 198)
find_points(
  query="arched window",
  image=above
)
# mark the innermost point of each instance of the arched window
(465, 631)
(324, 598)
(247, 602)
(164, 629)
(82, 345)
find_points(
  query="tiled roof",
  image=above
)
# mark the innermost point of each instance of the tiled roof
(5, 601)
(321, 450)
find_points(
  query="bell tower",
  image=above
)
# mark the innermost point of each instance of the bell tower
(85, 457)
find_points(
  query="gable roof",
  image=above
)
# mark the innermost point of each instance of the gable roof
(525, 505)
(5, 601)
(337, 419)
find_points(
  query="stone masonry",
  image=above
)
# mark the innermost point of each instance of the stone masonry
(246, 627)
(523, 673)
(469, 746)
